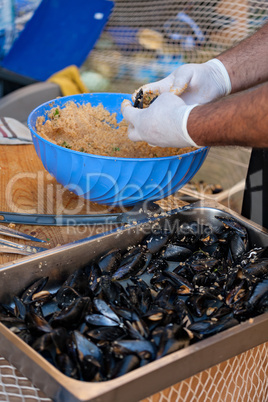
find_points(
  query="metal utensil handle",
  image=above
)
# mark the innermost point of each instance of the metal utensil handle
(59, 220)
(22, 247)
(15, 233)
(11, 250)
(137, 213)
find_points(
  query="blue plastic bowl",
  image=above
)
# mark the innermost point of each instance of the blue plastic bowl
(111, 180)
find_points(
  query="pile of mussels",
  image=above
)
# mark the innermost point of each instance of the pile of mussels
(130, 308)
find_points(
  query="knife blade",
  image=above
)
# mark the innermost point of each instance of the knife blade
(7, 246)
(15, 233)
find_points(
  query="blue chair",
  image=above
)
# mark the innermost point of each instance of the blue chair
(60, 33)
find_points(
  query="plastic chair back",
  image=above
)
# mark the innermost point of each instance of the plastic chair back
(19, 103)
(60, 33)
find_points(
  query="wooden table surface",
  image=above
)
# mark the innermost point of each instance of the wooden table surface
(26, 187)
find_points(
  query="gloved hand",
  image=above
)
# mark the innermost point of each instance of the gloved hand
(194, 83)
(163, 123)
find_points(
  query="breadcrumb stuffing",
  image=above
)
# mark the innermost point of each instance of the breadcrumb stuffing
(95, 131)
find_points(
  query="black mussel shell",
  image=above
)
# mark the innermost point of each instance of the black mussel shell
(138, 102)
(72, 315)
(174, 252)
(156, 241)
(37, 286)
(110, 261)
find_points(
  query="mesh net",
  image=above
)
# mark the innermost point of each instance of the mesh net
(146, 40)
(14, 387)
(242, 378)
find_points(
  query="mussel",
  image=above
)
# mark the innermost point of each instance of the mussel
(130, 307)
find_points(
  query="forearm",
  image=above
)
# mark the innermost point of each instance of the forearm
(247, 62)
(239, 119)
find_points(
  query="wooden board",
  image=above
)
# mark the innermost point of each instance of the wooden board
(26, 187)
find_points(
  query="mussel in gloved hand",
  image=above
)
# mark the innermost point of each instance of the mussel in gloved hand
(143, 100)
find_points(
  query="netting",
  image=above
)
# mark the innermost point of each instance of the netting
(240, 379)
(146, 40)
(14, 387)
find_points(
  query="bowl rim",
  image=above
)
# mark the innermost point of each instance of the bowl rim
(85, 154)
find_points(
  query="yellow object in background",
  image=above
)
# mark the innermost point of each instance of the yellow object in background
(69, 81)
(150, 39)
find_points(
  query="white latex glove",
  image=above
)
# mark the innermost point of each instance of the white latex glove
(194, 83)
(163, 123)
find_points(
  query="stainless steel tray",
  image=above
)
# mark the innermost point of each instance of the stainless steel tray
(144, 381)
